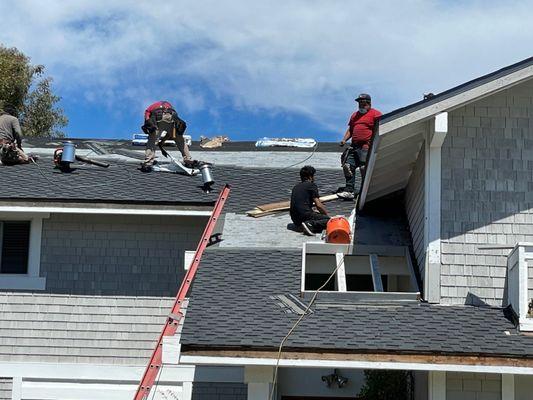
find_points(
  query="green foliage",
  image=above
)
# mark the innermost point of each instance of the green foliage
(24, 86)
(385, 385)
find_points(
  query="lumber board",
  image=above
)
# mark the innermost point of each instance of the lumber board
(271, 208)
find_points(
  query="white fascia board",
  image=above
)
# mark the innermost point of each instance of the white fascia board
(304, 363)
(107, 210)
(87, 372)
(448, 104)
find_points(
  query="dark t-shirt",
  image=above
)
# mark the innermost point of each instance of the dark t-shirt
(302, 201)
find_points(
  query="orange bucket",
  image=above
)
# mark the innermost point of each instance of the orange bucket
(338, 230)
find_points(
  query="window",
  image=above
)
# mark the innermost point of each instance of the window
(15, 245)
(20, 251)
(367, 272)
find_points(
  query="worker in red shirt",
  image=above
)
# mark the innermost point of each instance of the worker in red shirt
(156, 114)
(361, 127)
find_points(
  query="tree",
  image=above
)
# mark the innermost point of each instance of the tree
(24, 86)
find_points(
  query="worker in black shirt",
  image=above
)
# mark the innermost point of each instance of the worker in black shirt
(304, 196)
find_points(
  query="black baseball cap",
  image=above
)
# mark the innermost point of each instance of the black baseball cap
(364, 97)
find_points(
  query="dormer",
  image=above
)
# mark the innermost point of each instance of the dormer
(365, 273)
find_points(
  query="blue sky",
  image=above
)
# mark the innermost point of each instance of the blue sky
(253, 69)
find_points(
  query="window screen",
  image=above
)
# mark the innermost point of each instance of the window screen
(15, 240)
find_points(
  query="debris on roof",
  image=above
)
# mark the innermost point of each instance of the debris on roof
(214, 142)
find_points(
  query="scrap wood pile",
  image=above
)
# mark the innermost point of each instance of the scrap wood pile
(273, 208)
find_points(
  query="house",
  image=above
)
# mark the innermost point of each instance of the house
(450, 301)
(91, 259)
(435, 284)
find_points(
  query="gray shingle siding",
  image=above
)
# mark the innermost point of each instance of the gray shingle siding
(219, 391)
(487, 159)
(109, 285)
(6, 385)
(116, 255)
(414, 201)
(79, 329)
(472, 386)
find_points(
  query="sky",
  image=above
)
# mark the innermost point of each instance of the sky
(249, 69)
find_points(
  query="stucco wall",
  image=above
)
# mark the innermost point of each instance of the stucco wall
(116, 255)
(487, 196)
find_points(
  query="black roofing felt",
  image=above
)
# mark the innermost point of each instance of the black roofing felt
(229, 309)
(124, 183)
(110, 145)
(400, 112)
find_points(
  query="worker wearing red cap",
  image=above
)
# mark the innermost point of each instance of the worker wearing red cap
(154, 114)
(361, 127)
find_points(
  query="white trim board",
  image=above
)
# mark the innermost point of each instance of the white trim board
(304, 363)
(31, 280)
(92, 372)
(107, 210)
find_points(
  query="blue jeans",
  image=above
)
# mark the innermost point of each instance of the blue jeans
(356, 161)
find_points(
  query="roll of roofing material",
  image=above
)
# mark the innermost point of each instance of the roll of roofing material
(338, 230)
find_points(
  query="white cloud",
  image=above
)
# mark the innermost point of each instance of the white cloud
(309, 57)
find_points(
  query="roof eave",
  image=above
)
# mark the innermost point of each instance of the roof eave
(447, 104)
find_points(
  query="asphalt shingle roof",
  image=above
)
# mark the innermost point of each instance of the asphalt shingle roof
(229, 309)
(124, 183)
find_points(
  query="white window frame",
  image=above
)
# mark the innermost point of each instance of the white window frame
(31, 280)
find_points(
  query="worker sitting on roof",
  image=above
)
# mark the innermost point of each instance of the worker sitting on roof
(361, 127)
(11, 152)
(157, 118)
(303, 196)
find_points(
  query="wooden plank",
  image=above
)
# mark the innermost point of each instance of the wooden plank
(270, 208)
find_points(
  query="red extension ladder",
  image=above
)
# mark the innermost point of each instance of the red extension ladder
(175, 316)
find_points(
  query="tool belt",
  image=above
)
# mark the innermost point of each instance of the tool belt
(9, 154)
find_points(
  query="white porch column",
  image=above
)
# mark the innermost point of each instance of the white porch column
(16, 389)
(186, 391)
(436, 385)
(259, 380)
(507, 387)
(438, 128)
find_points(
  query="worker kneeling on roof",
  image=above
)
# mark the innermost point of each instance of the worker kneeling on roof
(361, 127)
(159, 117)
(11, 152)
(304, 196)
